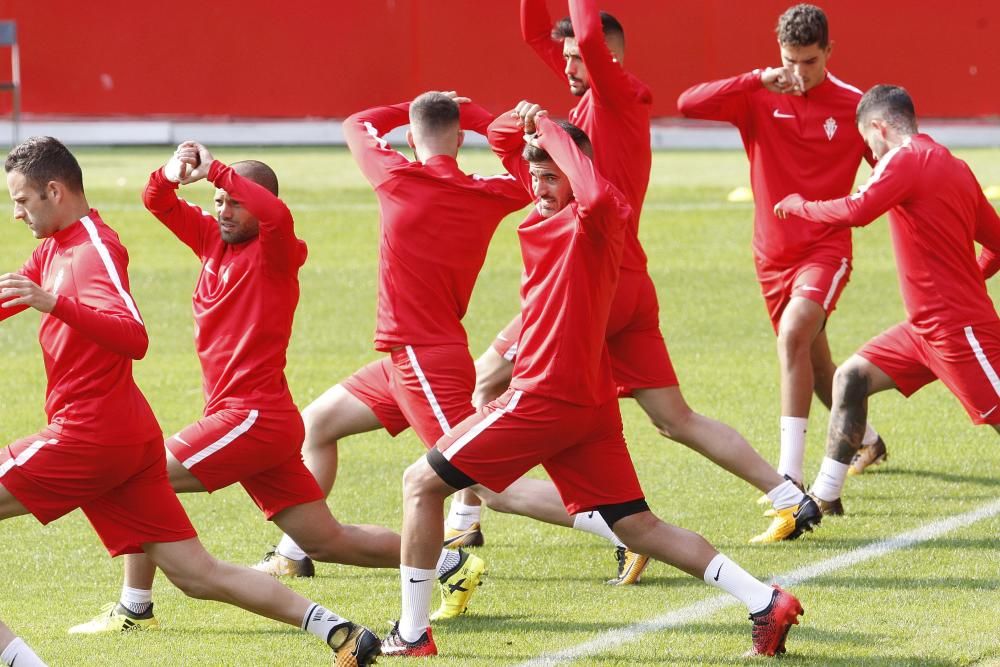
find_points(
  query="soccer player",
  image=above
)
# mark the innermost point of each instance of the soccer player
(561, 410)
(587, 49)
(937, 211)
(102, 450)
(435, 227)
(796, 124)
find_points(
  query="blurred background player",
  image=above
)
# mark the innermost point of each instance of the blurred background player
(436, 223)
(796, 122)
(587, 49)
(937, 212)
(102, 450)
(561, 410)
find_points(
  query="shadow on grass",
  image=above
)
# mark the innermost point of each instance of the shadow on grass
(940, 476)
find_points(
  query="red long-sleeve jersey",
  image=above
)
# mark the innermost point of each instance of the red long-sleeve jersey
(436, 223)
(245, 298)
(91, 336)
(614, 112)
(571, 268)
(806, 144)
(936, 211)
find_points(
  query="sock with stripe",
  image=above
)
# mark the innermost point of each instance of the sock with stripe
(326, 625)
(289, 549)
(136, 600)
(730, 577)
(594, 523)
(462, 516)
(19, 654)
(793, 446)
(418, 586)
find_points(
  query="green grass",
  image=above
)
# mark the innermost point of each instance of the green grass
(935, 604)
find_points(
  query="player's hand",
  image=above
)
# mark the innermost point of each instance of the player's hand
(202, 163)
(527, 113)
(783, 209)
(182, 163)
(23, 292)
(456, 97)
(782, 80)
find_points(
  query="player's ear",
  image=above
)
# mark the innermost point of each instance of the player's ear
(461, 137)
(409, 139)
(55, 191)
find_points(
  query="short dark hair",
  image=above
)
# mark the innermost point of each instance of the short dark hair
(803, 25)
(610, 26)
(892, 103)
(434, 112)
(259, 173)
(579, 137)
(44, 159)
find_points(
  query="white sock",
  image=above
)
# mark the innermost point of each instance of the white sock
(594, 523)
(447, 561)
(136, 600)
(830, 480)
(871, 435)
(18, 650)
(418, 586)
(730, 577)
(785, 495)
(323, 623)
(462, 516)
(793, 446)
(289, 549)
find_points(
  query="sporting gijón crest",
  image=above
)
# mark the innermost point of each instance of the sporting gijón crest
(830, 127)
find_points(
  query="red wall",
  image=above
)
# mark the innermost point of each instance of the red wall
(328, 58)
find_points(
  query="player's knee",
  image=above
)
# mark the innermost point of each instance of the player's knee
(673, 423)
(794, 341)
(634, 529)
(418, 479)
(850, 383)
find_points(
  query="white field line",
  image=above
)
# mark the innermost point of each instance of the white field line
(707, 607)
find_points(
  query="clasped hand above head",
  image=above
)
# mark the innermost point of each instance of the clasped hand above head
(527, 114)
(189, 163)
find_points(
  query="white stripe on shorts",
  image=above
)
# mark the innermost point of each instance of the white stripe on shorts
(23, 457)
(221, 442)
(984, 363)
(511, 352)
(428, 392)
(837, 277)
(473, 432)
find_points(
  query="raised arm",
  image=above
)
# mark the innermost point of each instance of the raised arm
(365, 134)
(988, 235)
(888, 185)
(506, 137)
(189, 223)
(590, 190)
(281, 249)
(536, 28)
(726, 99)
(608, 80)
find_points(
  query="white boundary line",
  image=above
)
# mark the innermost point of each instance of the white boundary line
(707, 607)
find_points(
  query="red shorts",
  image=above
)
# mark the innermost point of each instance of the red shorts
(428, 387)
(122, 489)
(966, 362)
(821, 278)
(260, 450)
(582, 448)
(639, 357)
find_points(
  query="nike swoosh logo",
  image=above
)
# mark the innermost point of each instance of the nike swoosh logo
(809, 288)
(778, 114)
(984, 415)
(718, 573)
(417, 581)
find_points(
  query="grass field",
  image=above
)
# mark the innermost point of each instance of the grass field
(935, 603)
